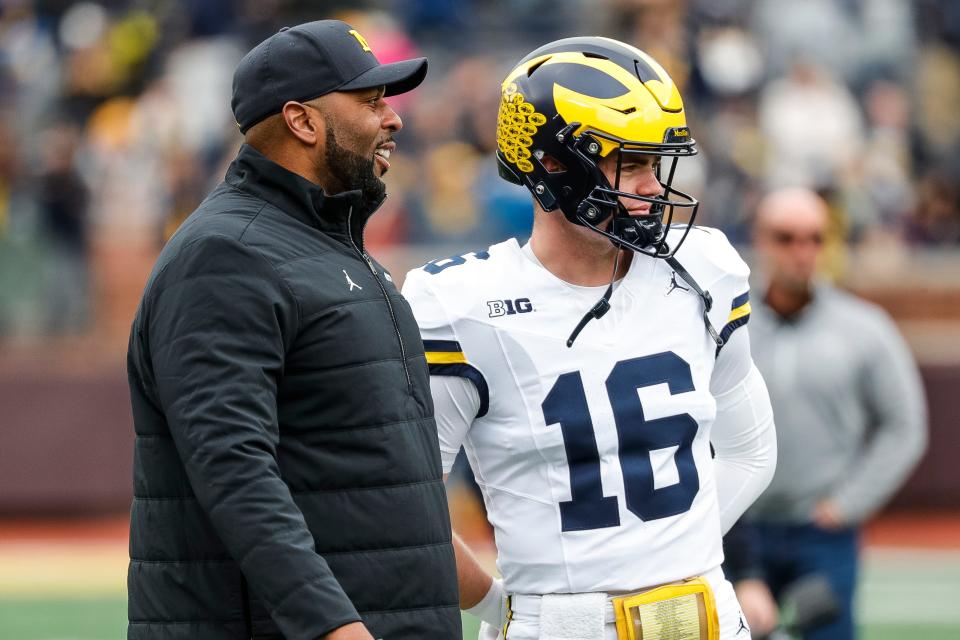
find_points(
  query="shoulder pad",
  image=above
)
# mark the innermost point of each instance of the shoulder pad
(708, 255)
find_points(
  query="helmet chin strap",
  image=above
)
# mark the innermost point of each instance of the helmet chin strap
(598, 310)
(602, 306)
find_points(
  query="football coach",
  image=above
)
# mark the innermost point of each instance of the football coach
(287, 477)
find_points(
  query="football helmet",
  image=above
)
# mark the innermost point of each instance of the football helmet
(578, 100)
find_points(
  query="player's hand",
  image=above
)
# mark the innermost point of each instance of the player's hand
(827, 516)
(352, 631)
(758, 606)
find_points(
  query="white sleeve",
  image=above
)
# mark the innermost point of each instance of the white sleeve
(733, 363)
(455, 403)
(743, 434)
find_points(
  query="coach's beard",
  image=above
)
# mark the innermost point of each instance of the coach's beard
(354, 172)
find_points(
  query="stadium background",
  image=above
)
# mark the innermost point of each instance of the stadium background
(115, 121)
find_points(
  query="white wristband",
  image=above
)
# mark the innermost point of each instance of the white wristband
(492, 609)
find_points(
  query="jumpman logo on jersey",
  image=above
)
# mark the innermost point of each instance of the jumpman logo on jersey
(743, 626)
(674, 284)
(353, 285)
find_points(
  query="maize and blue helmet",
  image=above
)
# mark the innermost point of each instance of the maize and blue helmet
(578, 100)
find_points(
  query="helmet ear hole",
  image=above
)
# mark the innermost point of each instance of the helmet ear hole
(552, 165)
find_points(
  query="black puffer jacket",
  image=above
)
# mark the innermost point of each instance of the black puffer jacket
(286, 472)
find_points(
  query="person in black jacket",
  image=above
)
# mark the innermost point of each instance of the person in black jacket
(287, 477)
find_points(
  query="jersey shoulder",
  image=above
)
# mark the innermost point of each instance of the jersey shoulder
(446, 289)
(708, 255)
(718, 268)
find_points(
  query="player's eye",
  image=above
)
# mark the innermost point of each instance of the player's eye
(640, 163)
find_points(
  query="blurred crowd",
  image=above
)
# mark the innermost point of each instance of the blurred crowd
(115, 119)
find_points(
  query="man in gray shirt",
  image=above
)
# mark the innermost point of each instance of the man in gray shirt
(850, 411)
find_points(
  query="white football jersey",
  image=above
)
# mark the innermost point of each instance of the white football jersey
(594, 460)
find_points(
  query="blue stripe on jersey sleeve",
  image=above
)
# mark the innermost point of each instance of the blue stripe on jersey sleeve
(470, 373)
(450, 346)
(737, 304)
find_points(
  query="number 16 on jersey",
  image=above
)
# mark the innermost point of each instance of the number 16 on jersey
(566, 405)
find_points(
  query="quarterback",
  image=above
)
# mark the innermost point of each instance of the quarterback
(599, 377)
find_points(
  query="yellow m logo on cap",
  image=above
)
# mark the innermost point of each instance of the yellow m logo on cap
(360, 39)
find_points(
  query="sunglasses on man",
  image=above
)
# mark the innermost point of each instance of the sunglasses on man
(786, 238)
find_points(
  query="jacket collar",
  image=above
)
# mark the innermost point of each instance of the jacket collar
(299, 198)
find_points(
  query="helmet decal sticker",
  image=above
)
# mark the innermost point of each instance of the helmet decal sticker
(517, 123)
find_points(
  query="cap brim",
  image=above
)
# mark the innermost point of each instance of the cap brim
(397, 77)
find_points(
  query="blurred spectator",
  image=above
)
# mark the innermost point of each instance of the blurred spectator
(886, 163)
(14, 273)
(850, 411)
(940, 19)
(938, 97)
(659, 28)
(812, 125)
(8, 168)
(937, 218)
(822, 32)
(63, 199)
(888, 39)
(186, 187)
(459, 197)
(437, 18)
(735, 148)
(858, 98)
(730, 61)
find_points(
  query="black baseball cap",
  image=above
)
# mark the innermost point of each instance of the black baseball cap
(310, 60)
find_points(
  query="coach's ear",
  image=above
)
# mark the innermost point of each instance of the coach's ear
(304, 122)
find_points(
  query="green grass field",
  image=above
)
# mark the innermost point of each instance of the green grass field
(904, 595)
(104, 618)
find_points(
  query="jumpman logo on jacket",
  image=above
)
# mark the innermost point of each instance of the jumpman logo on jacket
(353, 285)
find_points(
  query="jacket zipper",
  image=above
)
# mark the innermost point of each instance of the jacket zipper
(386, 297)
